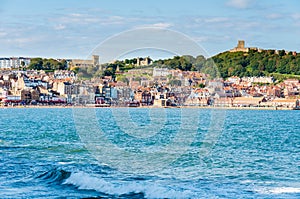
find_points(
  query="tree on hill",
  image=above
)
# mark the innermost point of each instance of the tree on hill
(226, 64)
(256, 63)
(36, 64)
(47, 64)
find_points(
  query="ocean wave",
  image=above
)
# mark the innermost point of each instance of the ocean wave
(66, 163)
(21, 147)
(152, 189)
(278, 190)
(55, 176)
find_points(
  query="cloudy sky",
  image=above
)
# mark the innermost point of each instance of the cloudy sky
(73, 28)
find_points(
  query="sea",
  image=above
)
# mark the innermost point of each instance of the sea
(149, 153)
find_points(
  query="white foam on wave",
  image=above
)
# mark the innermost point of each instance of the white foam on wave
(65, 163)
(247, 182)
(150, 189)
(256, 182)
(278, 190)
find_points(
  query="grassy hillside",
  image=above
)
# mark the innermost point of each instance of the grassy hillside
(256, 63)
(226, 64)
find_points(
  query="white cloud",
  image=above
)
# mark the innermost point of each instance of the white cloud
(214, 23)
(85, 19)
(76, 15)
(59, 27)
(215, 20)
(296, 16)
(239, 4)
(201, 38)
(274, 16)
(112, 20)
(162, 25)
(156, 25)
(20, 41)
(24, 40)
(211, 38)
(3, 34)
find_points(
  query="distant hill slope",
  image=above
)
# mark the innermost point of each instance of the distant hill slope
(226, 64)
(252, 63)
(255, 63)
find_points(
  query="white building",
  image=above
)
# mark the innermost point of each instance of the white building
(160, 72)
(13, 62)
(64, 74)
(264, 80)
(4, 63)
(235, 80)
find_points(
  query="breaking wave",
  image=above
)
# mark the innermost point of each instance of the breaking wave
(278, 190)
(147, 189)
(55, 176)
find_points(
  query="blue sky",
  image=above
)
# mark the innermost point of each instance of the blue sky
(73, 28)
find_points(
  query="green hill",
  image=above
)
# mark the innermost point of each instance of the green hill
(226, 64)
(252, 63)
(256, 63)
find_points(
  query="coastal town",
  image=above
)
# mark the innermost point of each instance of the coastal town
(143, 86)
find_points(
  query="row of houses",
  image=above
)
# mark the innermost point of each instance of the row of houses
(230, 94)
(59, 87)
(243, 102)
(195, 89)
(14, 62)
(204, 91)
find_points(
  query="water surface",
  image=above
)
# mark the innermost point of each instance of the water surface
(257, 155)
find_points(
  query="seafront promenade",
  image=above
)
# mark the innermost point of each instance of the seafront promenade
(184, 107)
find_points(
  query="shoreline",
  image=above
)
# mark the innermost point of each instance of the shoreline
(185, 107)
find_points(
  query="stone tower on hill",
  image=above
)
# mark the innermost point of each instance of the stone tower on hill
(241, 47)
(241, 44)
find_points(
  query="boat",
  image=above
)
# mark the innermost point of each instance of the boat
(134, 104)
(97, 105)
(102, 105)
